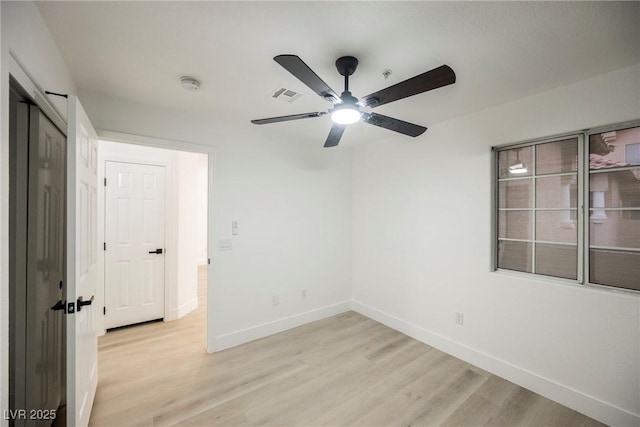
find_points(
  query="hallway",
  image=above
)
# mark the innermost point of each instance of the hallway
(135, 364)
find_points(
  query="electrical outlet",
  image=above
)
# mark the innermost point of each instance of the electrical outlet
(460, 318)
(303, 294)
(276, 299)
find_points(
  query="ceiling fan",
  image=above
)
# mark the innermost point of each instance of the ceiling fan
(348, 109)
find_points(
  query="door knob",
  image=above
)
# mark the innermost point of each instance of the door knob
(157, 251)
(60, 305)
(82, 303)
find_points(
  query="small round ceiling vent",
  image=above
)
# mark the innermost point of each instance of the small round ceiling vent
(189, 83)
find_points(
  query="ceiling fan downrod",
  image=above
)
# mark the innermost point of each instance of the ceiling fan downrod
(346, 66)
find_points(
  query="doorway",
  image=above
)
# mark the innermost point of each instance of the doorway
(141, 265)
(37, 260)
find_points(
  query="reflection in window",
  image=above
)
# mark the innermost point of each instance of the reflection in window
(537, 208)
(570, 207)
(614, 208)
(632, 153)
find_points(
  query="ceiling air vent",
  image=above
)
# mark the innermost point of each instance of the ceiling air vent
(286, 95)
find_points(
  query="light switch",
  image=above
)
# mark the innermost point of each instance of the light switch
(234, 228)
(225, 244)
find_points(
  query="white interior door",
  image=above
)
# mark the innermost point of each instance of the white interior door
(82, 343)
(134, 235)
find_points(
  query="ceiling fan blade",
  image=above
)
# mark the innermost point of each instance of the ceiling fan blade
(295, 65)
(438, 77)
(393, 124)
(287, 118)
(334, 136)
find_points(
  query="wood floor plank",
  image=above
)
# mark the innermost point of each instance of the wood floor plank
(342, 371)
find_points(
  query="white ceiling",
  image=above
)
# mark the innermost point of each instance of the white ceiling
(500, 52)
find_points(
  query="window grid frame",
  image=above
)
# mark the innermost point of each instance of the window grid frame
(534, 209)
(587, 222)
(583, 210)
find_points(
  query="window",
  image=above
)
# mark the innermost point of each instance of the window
(541, 227)
(632, 153)
(537, 208)
(614, 208)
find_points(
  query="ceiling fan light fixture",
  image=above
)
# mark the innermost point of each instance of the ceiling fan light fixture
(346, 113)
(346, 116)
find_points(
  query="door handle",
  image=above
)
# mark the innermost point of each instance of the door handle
(157, 251)
(60, 305)
(82, 303)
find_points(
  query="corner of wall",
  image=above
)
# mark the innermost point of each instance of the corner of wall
(575, 399)
(236, 338)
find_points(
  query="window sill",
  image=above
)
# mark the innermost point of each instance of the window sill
(560, 281)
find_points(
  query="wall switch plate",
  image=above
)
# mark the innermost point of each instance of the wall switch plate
(234, 228)
(303, 294)
(225, 244)
(460, 318)
(276, 299)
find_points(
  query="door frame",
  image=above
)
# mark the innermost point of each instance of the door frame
(170, 256)
(213, 273)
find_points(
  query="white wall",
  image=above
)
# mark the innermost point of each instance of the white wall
(422, 251)
(25, 35)
(189, 241)
(292, 202)
(201, 210)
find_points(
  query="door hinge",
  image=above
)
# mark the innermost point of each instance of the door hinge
(105, 182)
(104, 246)
(104, 310)
(208, 260)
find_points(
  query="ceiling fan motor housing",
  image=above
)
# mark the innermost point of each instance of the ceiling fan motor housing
(346, 65)
(347, 98)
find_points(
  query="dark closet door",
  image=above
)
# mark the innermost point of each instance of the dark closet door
(45, 266)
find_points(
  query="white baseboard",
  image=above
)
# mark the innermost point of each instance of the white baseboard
(265, 329)
(182, 310)
(565, 395)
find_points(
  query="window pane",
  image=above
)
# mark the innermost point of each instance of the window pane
(515, 224)
(632, 154)
(609, 149)
(557, 157)
(619, 189)
(514, 256)
(515, 194)
(557, 192)
(515, 162)
(615, 268)
(556, 226)
(557, 260)
(618, 229)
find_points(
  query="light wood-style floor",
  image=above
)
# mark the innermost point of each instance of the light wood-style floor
(342, 371)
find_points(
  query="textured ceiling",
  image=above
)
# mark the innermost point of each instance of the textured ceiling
(500, 52)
